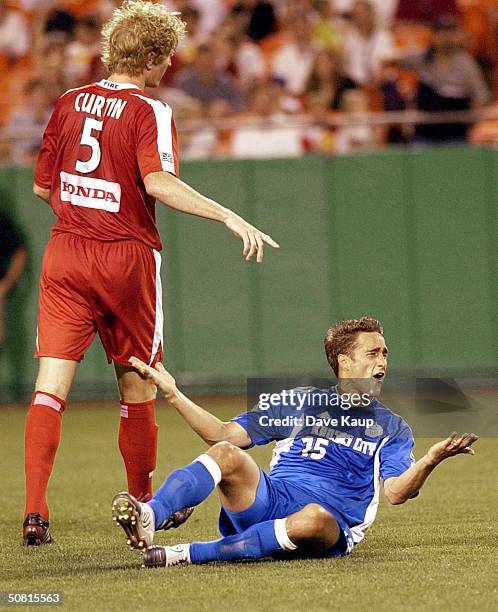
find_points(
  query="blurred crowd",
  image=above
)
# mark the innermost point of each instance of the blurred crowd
(268, 78)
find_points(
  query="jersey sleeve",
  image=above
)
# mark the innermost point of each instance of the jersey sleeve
(250, 422)
(46, 157)
(265, 423)
(396, 456)
(157, 146)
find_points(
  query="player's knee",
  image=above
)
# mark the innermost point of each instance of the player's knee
(315, 522)
(58, 386)
(227, 456)
(134, 389)
(55, 376)
(318, 518)
(59, 389)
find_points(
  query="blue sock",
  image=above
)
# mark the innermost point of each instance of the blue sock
(188, 486)
(254, 543)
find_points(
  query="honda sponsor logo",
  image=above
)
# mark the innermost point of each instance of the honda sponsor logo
(90, 192)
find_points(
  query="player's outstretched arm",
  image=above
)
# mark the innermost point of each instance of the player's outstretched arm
(400, 488)
(42, 193)
(209, 427)
(174, 193)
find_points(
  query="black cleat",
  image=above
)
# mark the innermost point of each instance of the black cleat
(35, 530)
(166, 556)
(176, 519)
(154, 556)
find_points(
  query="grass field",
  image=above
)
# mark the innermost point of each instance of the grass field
(438, 552)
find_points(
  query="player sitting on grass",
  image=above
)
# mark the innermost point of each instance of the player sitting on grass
(322, 492)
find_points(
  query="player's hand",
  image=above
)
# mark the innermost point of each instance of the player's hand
(455, 444)
(252, 238)
(158, 375)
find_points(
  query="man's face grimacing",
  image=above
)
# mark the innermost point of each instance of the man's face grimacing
(366, 364)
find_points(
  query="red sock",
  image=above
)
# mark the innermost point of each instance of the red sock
(42, 436)
(138, 446)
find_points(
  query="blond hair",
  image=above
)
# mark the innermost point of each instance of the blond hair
(139, 32)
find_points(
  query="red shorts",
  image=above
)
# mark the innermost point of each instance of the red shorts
(110, 288)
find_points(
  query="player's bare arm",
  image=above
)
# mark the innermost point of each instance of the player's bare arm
(42, 193)
(176, 194)
(399, 489)
(206, 425)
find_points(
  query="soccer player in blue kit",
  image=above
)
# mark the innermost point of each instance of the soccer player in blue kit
(328, 467)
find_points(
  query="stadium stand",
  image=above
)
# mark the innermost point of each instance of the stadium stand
(309, 53)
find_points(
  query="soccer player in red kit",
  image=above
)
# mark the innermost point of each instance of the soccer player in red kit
(109, 151)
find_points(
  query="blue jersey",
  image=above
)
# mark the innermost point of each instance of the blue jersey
(339, 455)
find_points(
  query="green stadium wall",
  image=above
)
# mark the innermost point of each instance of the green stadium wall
(407, 236)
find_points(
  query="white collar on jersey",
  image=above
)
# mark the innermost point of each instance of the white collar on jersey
(117, 86)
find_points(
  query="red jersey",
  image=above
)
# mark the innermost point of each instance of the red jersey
(100, 143)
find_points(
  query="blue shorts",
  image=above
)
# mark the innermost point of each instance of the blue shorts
(275, 499)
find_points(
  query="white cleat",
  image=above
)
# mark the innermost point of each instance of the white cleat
(136, 518)
(166, 556)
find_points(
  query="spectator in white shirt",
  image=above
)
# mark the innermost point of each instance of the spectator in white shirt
(271, 135)
(366, 45)
(293, 61)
